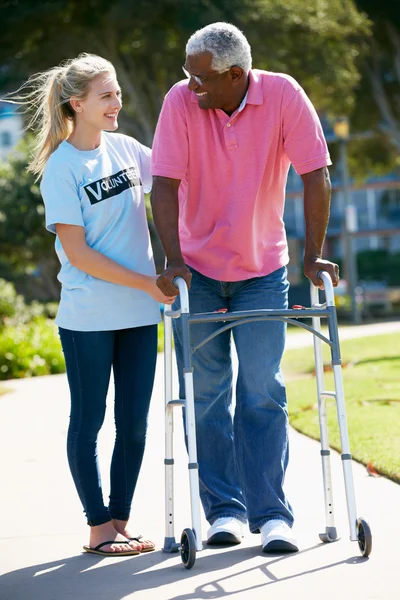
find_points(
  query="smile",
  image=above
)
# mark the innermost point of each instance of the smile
(111, 115)
(201, 95)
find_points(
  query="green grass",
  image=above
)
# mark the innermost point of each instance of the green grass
(161, 337)
(372, 392)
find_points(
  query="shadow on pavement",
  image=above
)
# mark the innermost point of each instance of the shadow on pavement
(83, 576)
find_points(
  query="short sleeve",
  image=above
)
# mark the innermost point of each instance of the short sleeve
(145, 166)
(170, 145)
(303, 137)
(61, 200)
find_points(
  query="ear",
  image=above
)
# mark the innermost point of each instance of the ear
(76, 104)
(236, 74)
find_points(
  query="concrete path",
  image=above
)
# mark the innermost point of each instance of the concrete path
(301, 338)
(42, 527)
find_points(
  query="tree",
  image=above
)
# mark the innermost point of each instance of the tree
(25, 247)
(318, 42)
(378, 105)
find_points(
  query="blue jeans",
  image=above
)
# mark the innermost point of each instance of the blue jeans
(89, 356)
(242, 457)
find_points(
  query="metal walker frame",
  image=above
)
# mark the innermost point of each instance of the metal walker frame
(191, 539)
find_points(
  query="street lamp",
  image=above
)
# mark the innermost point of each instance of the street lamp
(349, 223)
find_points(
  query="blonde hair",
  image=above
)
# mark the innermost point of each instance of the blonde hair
(51, 90)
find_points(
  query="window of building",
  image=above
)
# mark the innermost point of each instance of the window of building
(5, 139)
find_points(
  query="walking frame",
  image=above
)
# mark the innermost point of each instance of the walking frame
(191, 538)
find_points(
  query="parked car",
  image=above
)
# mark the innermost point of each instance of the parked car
(372, 296)
(375, 297)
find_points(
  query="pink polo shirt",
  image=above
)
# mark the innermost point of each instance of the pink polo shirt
(233, 172)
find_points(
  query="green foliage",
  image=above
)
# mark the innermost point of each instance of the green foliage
(373, 265)
(25, 246)
(377, 105)
(29, 344)
(374, 156)
(379, 265)
(22, 211)
(318, 42)
(331, 35)
(10, 301)
(30, 349)
(376, 265)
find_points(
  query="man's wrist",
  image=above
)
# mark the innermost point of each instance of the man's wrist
(312, 257)
(176, 262)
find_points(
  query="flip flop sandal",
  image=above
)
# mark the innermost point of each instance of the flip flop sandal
(148, 548)
(97, 550)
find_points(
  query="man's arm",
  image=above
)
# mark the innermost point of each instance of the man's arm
(317, 200)
(165, 206)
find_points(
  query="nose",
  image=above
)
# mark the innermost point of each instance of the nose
(117, 103)
(193, 85)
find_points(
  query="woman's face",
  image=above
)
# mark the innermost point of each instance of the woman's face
(99, 110)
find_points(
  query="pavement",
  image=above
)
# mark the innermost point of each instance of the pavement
(42, 526)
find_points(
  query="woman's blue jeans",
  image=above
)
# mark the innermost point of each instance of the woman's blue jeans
(242, 457)
(89, 356)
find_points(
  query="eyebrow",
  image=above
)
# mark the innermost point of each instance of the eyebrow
(191, 72)
(109, 92)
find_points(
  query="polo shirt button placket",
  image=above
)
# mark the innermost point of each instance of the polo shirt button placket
(230, 137)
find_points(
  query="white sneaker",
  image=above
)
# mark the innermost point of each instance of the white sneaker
(276, 536)
(225, 530)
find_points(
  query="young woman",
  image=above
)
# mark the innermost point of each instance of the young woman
(92, 187)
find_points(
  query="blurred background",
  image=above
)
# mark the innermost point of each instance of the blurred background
(345, 53)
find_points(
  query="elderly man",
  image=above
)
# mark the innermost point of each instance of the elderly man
(222, 150)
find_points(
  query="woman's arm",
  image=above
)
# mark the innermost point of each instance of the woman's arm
(92, 262)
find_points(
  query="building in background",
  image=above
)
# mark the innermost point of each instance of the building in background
(11, 128)
(375, 288)
(377, 204)
(365, 217)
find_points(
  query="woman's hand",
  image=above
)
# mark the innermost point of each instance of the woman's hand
(156, 293)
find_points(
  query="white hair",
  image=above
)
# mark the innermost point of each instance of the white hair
(227, 44)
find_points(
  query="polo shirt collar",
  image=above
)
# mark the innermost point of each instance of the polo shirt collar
(254, 92)
(253, 95)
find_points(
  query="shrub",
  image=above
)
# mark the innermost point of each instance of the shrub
(10, 302)
(30, 349)
(29, 342)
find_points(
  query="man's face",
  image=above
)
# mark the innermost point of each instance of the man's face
(213, 90)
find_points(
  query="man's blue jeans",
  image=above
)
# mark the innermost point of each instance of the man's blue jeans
(242, 457)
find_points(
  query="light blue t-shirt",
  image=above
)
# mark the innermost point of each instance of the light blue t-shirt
(102, 190)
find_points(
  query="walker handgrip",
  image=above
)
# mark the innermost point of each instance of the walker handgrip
(180, 283)
(328, 287)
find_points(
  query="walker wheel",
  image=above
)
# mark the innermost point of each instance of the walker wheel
(364, 536)
(188, 548)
